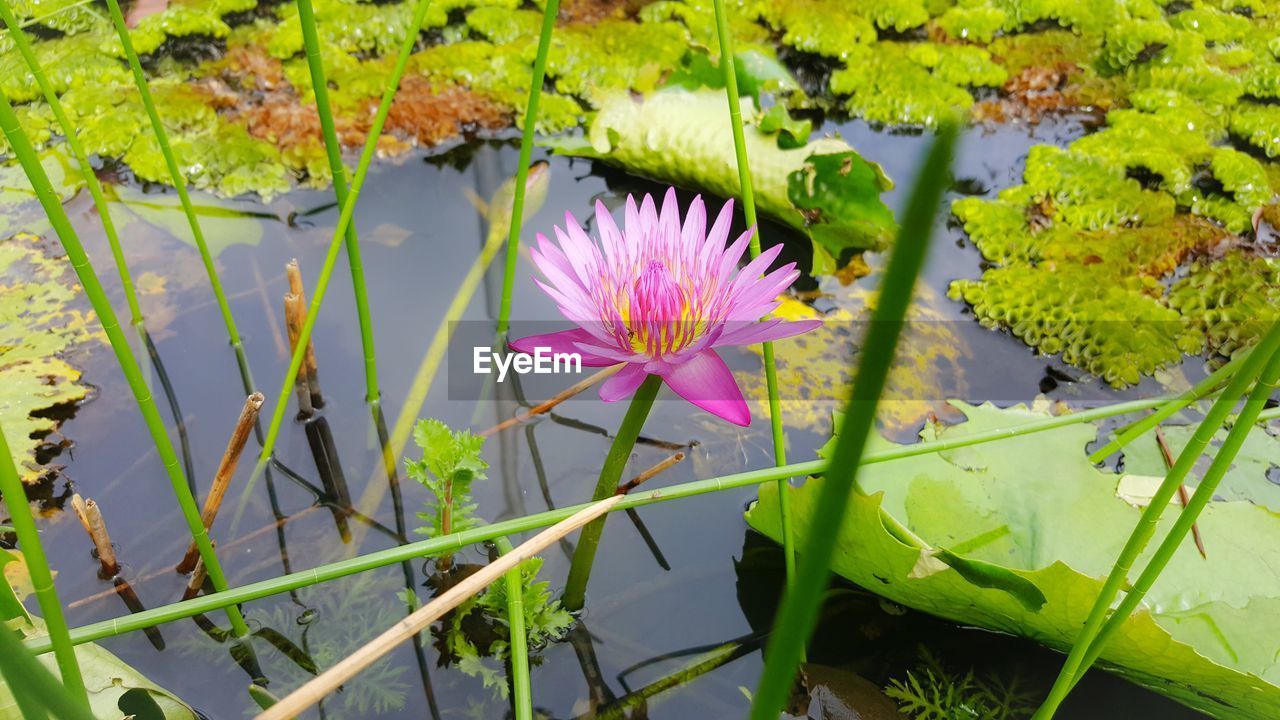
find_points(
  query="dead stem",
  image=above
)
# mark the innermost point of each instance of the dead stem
(309, 362)
(294, 317)
(1182, 488)
(91, 518)
(226, 471)
(560, 397)
(197, 577)
(636, 481)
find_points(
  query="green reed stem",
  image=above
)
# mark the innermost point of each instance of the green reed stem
(24, 525)
(1271, 414)
(339, 232)
(315, 62)
(521, 687)
(1146, 527)
(456, 541)
(82, 158)
(799, 611)
(24, 674)
(179, 181)
(749, 211)
(1187, 518)
(52, 205)
(1148, 423)
(584, 555)
(522, 169)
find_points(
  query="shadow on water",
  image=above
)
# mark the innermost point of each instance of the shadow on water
(675, 582)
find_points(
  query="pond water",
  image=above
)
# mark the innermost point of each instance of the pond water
(674, 580)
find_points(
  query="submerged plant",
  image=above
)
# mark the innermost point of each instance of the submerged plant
(661, 296)
(931, 691)
(450, 463)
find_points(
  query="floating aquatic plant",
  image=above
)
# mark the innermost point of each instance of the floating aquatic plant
(660, 296)
(450, 463)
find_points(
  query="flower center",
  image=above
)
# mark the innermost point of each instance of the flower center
(658, 317)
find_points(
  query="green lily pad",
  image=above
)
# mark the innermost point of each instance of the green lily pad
(824, 188)
(38, 322)
(1030, 517)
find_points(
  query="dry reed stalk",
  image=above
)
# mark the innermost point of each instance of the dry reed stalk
(198, 575)
(226, 471)
(1182, 489)
(560, 397)
(295, 314)
(316, 689)
(643, 477)
(309, 363)
(91, 518)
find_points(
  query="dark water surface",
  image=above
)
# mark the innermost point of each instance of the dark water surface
(419, 235)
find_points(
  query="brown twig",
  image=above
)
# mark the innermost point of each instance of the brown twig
(1182, 489)
(560, 397)
(91, 518)
(197, 577)
(226, 471)
(635, 482)
(294, 317)
(309, 363)
(315, 690)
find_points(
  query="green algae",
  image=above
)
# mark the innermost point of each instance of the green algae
(1230, 300)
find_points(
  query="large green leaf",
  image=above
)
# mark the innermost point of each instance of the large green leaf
(824, 188)
(116, 690)
(1016, 536)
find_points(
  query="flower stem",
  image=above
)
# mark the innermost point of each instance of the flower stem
(522, 169)
(749, 212)
(575, 590)
(1077, 660)
(82, 158)
(799, 611)
(21, 147)
(521, 687)
(320, 87)
(24, 525)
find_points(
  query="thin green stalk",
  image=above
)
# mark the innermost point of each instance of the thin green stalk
(1148, 423)
(52, 205)
(522, 169)
(21, 670)
(315, 62)
(24, 525)
(749, 211)
(1146, 527)
(452, 543)
(1268, 415)
(82, 158)
(339, 233)
(584, 556)
(1222, 461)
(799, 611)
(179, 183)
(521, 687)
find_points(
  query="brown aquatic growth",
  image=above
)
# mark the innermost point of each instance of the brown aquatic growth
(430, 116)
(593, 11)
(1030, 95)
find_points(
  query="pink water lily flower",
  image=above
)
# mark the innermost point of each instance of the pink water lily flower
(661, 296)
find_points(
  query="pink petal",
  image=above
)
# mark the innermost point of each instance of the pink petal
(707, 382)
(610, 237)
(622, 384)
(769, 330)
(695, 224)
(565, 341)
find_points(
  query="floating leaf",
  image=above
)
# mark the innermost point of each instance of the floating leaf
(1034, 508)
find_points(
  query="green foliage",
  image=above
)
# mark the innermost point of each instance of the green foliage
(967, 533)
(973, 21)
(1259, 125)
(39, 320)
(932, 691)
(824, 188)
(913, 83)
(450, 463)
(176, 21)
(1231, 299)
(477, 634)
